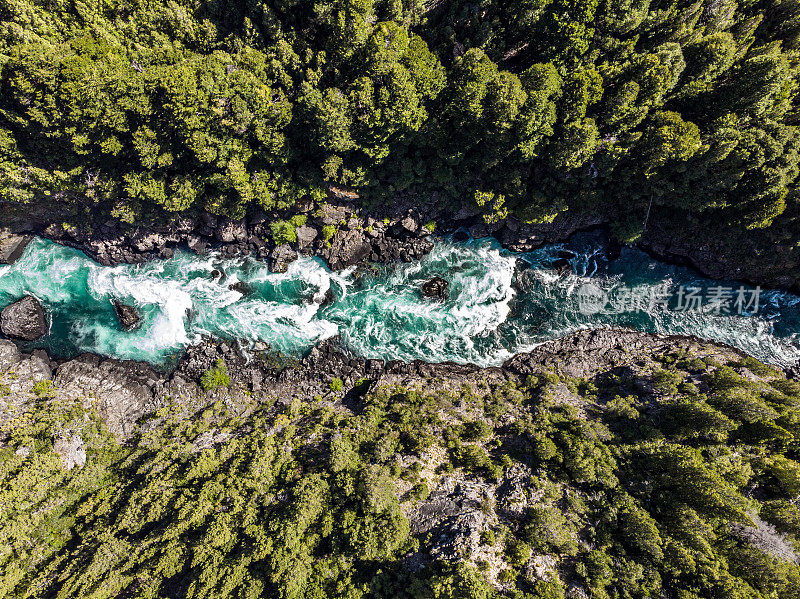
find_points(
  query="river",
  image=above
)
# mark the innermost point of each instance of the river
(499, 303)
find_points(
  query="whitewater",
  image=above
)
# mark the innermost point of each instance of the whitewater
(499, 303)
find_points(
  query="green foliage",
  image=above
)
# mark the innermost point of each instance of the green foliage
(517, 552)
(336, 384)
(548, 531)
(216, 377)
(328, 231)
(285, 231)
(614, 107)
(44, 389)
(637, 493)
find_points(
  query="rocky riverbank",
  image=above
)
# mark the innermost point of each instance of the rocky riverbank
(125, 391)
(344, 233)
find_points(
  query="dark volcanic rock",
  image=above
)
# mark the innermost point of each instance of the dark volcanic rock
(9, 354)
(306, 236)
(230, 230)
(128, 315)
(347, 248)
(436, 287)
(24, 319)
(122, 390)
(328, 299)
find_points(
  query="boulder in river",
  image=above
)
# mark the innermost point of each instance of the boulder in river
(25, 319)
(328, 299)
(435, 287)
(128, 315)
(12, 247)
(280, 257)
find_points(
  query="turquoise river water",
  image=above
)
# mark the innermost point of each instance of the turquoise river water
(500, 303)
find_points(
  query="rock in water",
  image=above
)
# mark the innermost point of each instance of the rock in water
(566, 254)
(128, 315)
(24, 319)
(614, 249)
(280, 258)
(436, 287)
(12, 247)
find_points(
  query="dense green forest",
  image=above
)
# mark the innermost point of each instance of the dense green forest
(529, 107)
(677, 480)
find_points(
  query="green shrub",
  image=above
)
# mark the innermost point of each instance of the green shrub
(284, 231)
(742, 403)
(420, 491)
(757, 368)
(44, 389)
(488, 537)
(475, 431)
(336, 384)
(328, 231)
(517, 552)
(787, 387)
(216, 377)
(666, 381)
(549, 532)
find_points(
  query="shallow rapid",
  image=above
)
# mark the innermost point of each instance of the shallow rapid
(499, 303)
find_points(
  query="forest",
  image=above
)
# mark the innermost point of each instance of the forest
(675, 480)
(529, 107)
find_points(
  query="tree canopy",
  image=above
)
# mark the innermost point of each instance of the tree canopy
(606, 105)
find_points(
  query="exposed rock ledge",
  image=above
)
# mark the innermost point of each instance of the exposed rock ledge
(124, 391)
(344, 233)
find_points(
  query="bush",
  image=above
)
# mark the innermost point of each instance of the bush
(44, 389)
(475, 431)
(216, 377)
(336, 384)
(517, 552)
(328, 231)
(420, 491)
(488, 537)
(286, 231)
(549, 532)
(667, 381)
(757, 368)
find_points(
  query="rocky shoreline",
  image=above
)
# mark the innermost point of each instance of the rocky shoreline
(344, 234)
(125, 392)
